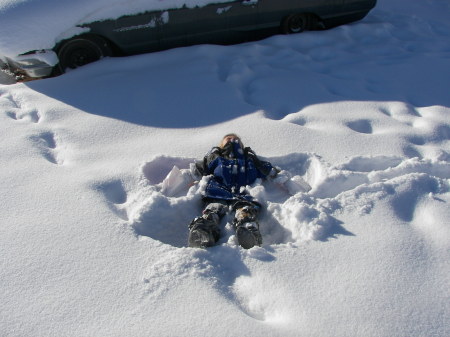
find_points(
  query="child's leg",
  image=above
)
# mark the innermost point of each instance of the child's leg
(204, 230)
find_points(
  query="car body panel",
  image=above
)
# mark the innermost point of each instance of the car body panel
(218, 23)
(34, 65)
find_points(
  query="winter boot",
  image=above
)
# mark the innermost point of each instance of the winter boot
(204, 231)
(247, 228)
(248, 235)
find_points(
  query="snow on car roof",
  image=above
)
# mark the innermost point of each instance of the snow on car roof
(28, 25)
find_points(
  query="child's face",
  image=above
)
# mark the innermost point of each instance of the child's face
(228, 139)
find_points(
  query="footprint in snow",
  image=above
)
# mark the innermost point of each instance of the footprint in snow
(17, 112)
(115, 196)
(361, 126)
(49, 144)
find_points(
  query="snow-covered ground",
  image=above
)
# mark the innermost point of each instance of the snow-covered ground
(90, 246)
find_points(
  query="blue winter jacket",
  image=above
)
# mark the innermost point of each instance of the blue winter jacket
(232, 168)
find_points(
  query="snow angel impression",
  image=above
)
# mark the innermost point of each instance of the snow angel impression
(230, 167)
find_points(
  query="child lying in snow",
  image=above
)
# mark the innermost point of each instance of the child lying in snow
(230, 167)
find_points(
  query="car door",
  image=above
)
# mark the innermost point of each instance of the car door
(139, 33)
(224, 22)
(242, 18)
(181, 23)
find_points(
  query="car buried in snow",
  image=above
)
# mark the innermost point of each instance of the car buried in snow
(211, 22)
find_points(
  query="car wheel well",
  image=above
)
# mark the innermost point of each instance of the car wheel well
(83, 49)
(299, 22)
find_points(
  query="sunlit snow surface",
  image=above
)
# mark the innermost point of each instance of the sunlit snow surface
(90, 246)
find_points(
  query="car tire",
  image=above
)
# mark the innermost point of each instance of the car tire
(82, 50)
(295, 23)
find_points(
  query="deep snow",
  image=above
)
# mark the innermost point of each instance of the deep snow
(90, 246)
